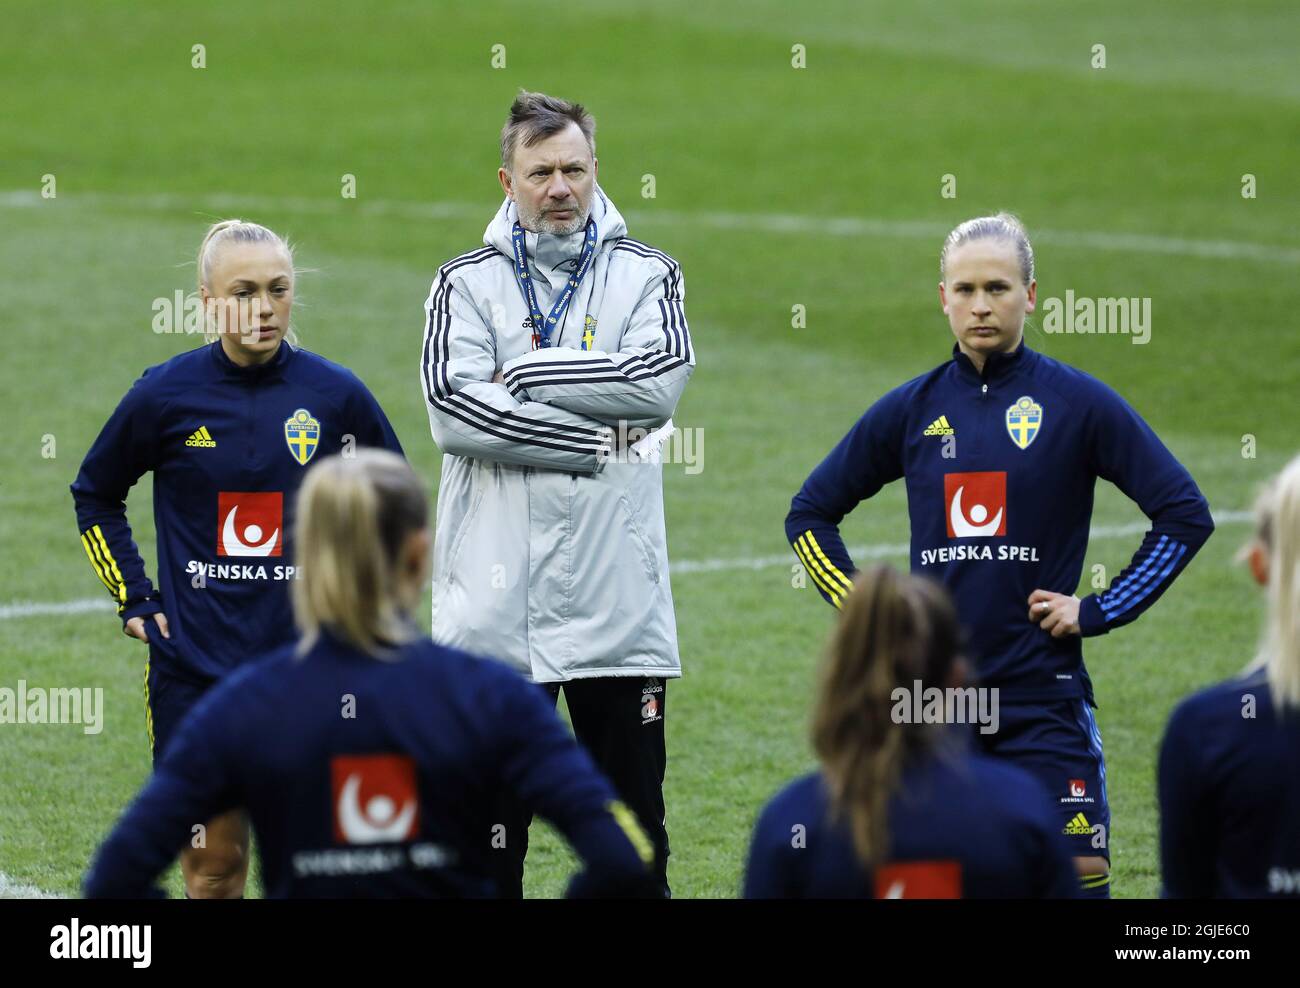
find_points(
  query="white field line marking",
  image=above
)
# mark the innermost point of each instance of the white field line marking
(901, 550)
(11, 889)
(834, 226)
(21, 609)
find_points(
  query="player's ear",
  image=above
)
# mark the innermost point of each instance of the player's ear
(503, 177)
(1257, 559)
(413, 566)
(208, 307)
(595, 167)
(415, 551)
(943, 298)
(1031, 297)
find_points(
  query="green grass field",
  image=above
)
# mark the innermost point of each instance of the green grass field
(775, 187)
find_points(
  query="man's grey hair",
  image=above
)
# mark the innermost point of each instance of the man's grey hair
(536, 116)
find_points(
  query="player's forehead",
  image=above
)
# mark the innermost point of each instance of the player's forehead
(258, 263)
(980, 261)
(562, 148)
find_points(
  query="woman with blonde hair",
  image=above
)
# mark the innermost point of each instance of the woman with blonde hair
(228, 431)
(1229, 774)
(901, 806)
(369, 759)
(1001, 448)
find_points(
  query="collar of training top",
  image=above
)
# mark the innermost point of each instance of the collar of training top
(996, 365)
(257, 371)
(551, 251)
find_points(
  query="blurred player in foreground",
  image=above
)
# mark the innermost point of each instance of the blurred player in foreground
(227, 430)
(1230, 762)
(1001, 448)
(903, 810)
(368, 758)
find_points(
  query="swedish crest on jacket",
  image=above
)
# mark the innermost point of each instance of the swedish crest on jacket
(548, 554)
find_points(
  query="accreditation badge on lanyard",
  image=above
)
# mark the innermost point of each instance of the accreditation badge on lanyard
(543, 326)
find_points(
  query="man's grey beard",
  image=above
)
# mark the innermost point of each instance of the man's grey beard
(542, 223)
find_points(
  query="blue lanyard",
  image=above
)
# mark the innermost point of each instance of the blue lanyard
(544, 326)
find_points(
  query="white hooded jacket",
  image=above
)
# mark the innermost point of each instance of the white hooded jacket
(550, 553)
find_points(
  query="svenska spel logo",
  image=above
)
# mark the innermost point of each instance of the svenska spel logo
(975, 504)
(376, 800)
(919, 880)
(250, 523)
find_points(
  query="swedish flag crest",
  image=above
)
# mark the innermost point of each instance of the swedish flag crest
(1024, 420)
(302, 434)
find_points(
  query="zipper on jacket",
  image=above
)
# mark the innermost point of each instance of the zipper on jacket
(982, 409)
(250, 451)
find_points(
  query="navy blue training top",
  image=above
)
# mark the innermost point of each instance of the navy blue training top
(1000, 468)
(961, 826)
(368, 777)
(1229, 782)
(228, 447)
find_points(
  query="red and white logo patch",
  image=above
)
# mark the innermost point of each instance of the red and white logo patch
(651, 700)
(919, 880)
(976, 504)
(1077, 788)
(250, 524)
(375, 799)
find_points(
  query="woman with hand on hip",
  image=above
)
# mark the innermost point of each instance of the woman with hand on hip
(1000, 448)
(227, 430)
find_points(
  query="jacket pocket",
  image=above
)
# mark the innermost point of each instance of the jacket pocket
(465, 526)
(651, 570)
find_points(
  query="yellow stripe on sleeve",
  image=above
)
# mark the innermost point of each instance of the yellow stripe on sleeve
(627, 822)
(815, 571)
(834, 571)
(108, 555)
(95, 565)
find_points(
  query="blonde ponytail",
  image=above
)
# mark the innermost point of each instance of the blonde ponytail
(1277, 530)
(353, 517)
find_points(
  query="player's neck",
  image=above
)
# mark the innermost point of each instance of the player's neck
(979, 358)
(244, 358)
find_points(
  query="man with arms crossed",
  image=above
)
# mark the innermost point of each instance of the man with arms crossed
(545, 352)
